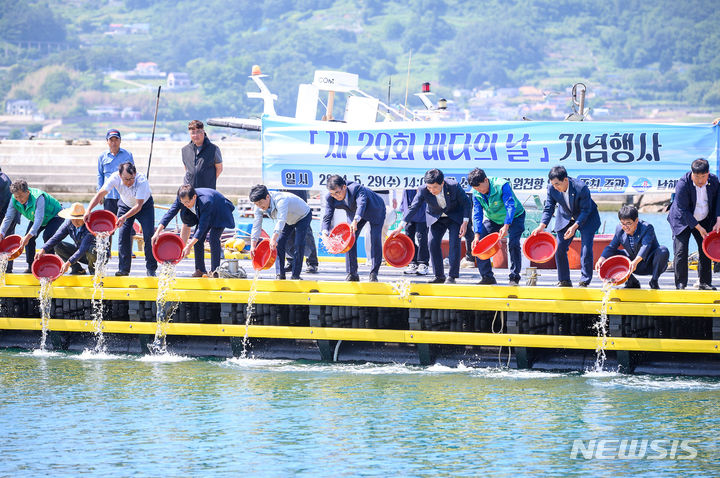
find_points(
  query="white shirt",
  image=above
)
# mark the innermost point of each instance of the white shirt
(129, 195)
(701, 205)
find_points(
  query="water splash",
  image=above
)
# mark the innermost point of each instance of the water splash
(402, 287)
(333, 243)
(166, 304)
(601, 327)
(249, 312)
(45, 297)
(4, 260)
(102, 248)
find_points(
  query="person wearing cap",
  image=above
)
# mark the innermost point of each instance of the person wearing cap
(291, 214)
(503, 213)
(83, 251)
(575, 211)
(136, 202)
(447, 210)
(108, 163)
(362, 206)
(211, 212)
(5, 198)
(640, 245)
(695, 212)
(39, 208)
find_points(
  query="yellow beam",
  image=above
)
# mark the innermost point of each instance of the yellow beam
(374, 335)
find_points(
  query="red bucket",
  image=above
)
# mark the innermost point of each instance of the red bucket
(487, 246)
(341, 239)
(264, 258)
(168, 248)
(615, 269)
(47, 266)
(10, 245)
(101, 221)
(540, 248)
(398, 250)
(711, 246)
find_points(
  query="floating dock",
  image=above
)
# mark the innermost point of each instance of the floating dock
(532, 327)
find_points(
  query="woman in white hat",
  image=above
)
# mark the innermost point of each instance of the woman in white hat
(84, 248)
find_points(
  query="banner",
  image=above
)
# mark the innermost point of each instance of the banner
(614, 158)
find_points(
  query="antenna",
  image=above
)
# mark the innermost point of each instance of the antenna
(407, 83)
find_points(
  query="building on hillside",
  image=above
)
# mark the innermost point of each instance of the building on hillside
(147, 69)
(178, 80)
(104, 112)
(20, 107)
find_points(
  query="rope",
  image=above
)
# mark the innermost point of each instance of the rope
(224, 271)
(502, 326)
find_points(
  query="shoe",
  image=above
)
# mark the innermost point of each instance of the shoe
(198, 273)
(450, 280)
(680, 286)
(295, 278)
(29, 270)
(487, 281)
(311, 269)
(151, 273)
(91, 271)
(514, 282)
(77, 271)
(467, 262)
(288, 268)
(632, 284)
(583, 283)
(654, 284)
(706, 287)
(411, 269)
(122, 273)
(436, 280)
(280, 277)
(422, 270)
(352, 278)
(564, 283)
(373, 277)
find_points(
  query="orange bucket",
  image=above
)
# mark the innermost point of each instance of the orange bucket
(341, 239)
(399, 250)
(487, 246)
(615, 269)
(540, 248)
(264, 258)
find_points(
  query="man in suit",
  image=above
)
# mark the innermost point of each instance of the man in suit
(576, 210)
(503, 213)
(5, 198)
(640, 245)
(418, 232)
(362, 206)
(695, 211)
(448, 209)
(213, 213)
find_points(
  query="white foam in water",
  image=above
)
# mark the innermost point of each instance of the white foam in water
(93, 355)
(43, 353)
(601, 373)
(166, 357)
(651, 383)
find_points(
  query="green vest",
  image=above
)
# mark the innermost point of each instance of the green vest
(494, 207)
(52, 206)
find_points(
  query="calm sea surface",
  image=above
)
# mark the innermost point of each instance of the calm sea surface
(70, 415)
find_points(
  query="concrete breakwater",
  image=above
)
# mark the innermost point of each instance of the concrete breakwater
(69, 172)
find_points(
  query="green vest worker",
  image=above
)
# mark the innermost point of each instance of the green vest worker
(494, 199)
(39, 208)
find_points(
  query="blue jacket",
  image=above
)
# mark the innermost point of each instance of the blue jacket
(5, 194)
(83, 239)
(583, 209)
(408, 196)
(645, 242)
(457, 203)
(681, 211)
(359, 202)
(212, 210)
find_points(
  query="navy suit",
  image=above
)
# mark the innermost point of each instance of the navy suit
(582, 210)
(644, 244)
(214, 213)
(682, 222)
(5, 197)
(457, 209)
(364, 204)
(416, 226)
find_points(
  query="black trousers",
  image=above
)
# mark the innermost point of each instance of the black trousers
(654, 265)
(680, 260)
(437, 231)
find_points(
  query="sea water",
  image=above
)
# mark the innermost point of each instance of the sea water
(69, 416)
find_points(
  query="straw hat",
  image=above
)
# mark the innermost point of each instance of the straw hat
(76, 211)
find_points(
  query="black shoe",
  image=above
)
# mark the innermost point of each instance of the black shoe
(92, 272)
(654, 284)
(373, 277)
(150, 273)
(295, 278)
(583, 283)
(680, 286)
(311, 269)
(288, 268)
(487, 281)
(706, 287)
(352, 278)
(122, 273)
(436, 280)
(28, 270)
(564, 283)
(632, 284)
(450, 280)
(77, 271)
(280, 277)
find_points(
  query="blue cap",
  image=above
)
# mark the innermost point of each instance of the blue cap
(112, 133)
